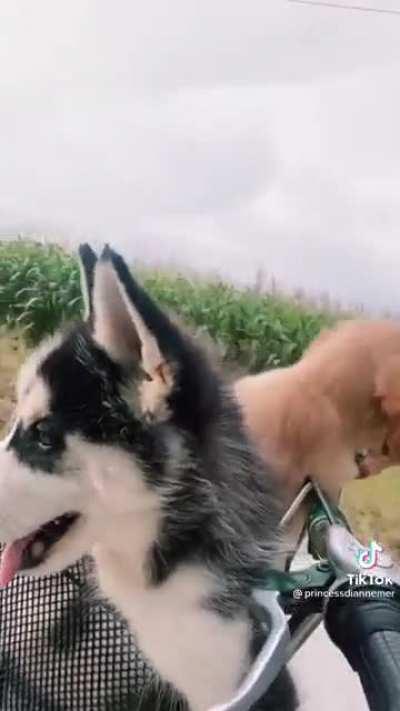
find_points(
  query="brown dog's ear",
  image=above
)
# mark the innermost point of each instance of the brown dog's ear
(387, 387)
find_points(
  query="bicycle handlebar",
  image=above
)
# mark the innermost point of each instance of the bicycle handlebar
(364, 623)
(367, 631)
(379, 670)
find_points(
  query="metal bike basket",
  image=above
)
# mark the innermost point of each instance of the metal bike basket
(61, 649)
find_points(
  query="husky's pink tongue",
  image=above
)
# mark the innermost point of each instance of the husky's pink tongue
(11, 559)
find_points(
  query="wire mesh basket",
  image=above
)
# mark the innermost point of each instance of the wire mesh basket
(63, 650)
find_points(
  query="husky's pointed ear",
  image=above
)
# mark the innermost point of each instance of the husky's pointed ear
(87, 263)
(173, 376)
(131, 328)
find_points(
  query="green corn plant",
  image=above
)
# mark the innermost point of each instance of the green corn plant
(39, 290)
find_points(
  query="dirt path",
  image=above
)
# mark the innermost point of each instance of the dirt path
(12, 353)
(324, 679)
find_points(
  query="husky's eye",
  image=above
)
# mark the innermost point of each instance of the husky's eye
(45, 434)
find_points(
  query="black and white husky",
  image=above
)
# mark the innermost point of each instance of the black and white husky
(126, 444)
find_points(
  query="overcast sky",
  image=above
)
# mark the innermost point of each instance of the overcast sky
(224, 135)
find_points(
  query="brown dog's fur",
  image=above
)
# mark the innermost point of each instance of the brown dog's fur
(342, 396)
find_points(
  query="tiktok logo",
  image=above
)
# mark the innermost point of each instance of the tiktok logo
(368, 557)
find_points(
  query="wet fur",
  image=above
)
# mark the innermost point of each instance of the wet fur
(147, 444)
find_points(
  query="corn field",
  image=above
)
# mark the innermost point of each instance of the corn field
(40, 289)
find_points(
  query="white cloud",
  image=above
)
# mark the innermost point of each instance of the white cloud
(222, 136)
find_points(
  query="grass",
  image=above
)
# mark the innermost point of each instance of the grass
(372, 506)
(39, 289)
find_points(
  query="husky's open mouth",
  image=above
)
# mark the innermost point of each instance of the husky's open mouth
(31, 550)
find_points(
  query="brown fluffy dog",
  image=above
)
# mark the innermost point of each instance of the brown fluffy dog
(342, 396)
